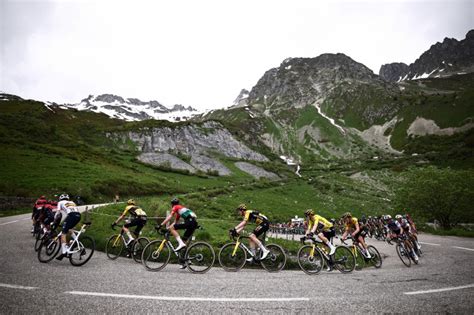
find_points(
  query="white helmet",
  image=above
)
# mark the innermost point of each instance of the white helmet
(64, 197)
(388, 217)
(398, 216)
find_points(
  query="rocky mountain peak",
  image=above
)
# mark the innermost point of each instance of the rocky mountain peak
(443, 59)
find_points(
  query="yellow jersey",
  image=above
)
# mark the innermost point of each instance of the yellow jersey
(134, 211)
(255, 216)
(320, 223)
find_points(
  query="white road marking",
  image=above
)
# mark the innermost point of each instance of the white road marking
(198, 299)
(441, 290)
(463, 248)
(8, 222)
(429, 244)
(12, 286)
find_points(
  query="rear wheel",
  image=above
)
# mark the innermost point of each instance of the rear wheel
(402, 253)
(114, 246)
(82, 251)
(344, 259)
(48, 250)
(156, 255)
(138, 245)
(232, 258)
(310, 261)
(376, 259)
(275, 260)
(200, 257)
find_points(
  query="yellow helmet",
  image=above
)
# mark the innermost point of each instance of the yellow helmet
(347, 215)
(131, 202)
(309, 212)
(242, 207)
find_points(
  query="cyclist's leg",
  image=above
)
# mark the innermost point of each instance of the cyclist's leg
(71, 220)
(174, 232)
(259, 230)
(326, 236)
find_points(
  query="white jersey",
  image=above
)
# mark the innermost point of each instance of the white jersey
(66, 207)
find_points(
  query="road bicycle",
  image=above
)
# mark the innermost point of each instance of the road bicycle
(405, 250)
(117, 243)
(80, 249)
(197, 257)
(313, 257)
(359, 252)
(233, 256)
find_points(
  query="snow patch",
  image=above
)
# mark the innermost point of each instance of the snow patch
(318, 107)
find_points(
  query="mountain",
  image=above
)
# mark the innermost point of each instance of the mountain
(444, 59)
(133, 109)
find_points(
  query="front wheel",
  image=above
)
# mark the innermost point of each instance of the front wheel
(48, 249)
(232, 257)
(200, 257)
(156, 255)
(376, 259)
(114, 246)
(138, 246)
(404, 256)
(82, 250)
(275, 260)
(344, 259)
(310, 260)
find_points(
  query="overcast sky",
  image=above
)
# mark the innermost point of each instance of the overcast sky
(202, 53)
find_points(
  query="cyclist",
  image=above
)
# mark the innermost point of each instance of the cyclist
(357, 231)
(395, 230)
(262, 226)
(138, 220)
(407, 229)
(37, 208)
(71, 217)
(324, 228)
(190, 223)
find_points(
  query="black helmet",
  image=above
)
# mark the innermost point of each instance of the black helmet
(175, 201)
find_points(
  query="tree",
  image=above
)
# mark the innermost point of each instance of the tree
(431, 193)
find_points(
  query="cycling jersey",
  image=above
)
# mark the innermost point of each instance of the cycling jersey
(394, 226)
(67, 206)
(255, 216)
(353, 224)
(181, 211)
(320, 222)
(134, 211)
(40, 203)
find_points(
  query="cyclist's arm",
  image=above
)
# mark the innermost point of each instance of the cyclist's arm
(120, 218)
(241, 226)
(315, 226)
(168, 218)
(357, 229)
(310, 225)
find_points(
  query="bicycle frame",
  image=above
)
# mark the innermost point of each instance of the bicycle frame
(318, 244)
(238, 242)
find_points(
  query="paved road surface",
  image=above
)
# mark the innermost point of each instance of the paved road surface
(443, 282)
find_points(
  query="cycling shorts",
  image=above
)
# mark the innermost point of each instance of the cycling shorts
(139, 222)
(329, 233)
(261, 228)
(71, 220)
(190, 224)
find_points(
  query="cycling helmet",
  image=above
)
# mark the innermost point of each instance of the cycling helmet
(175, 201)
(398, 216)
(64, 197)
(242, 207)
(309, 212)
(42, 197)
(388, 217)
(347, 215)
(131, 202)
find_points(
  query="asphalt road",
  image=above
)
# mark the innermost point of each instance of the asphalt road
(105, 286)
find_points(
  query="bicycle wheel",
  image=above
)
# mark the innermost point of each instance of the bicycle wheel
(232, 258)
(311, 264)
(376, 259)
(114, 246)
(403, 255)
(275, 260)
(137, 248)
(156, 255)
(344, 259)
(38, 242)
(200, 257)
(82, 251)
(49, 249)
